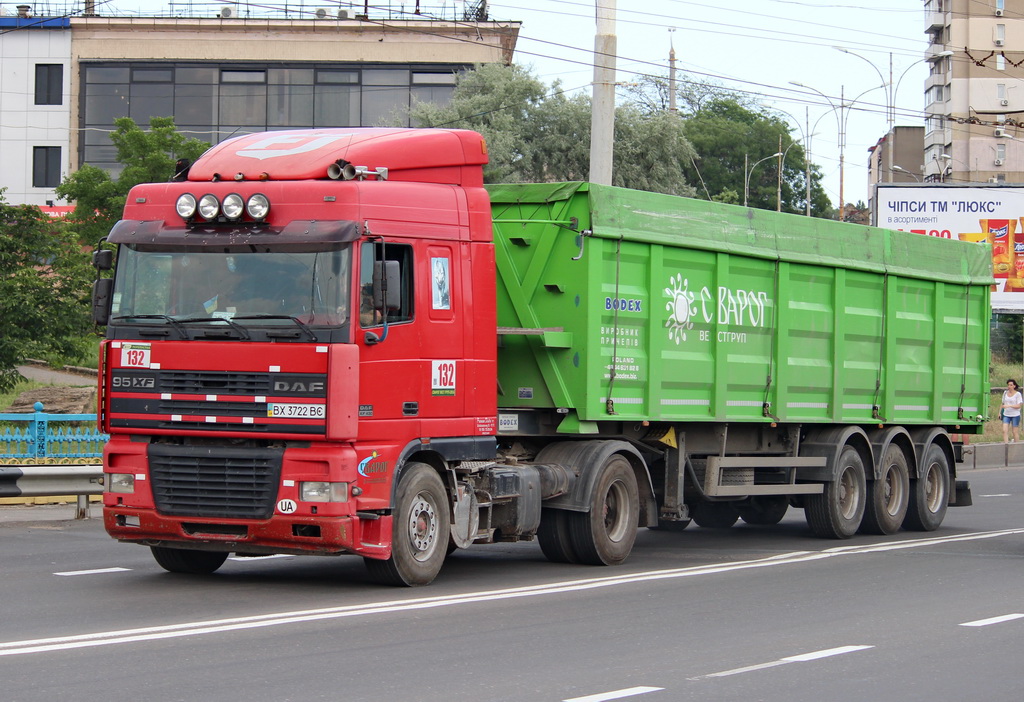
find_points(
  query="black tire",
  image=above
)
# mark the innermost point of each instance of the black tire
(554, 538)
(180, 560)
(837, 512)
(605, 534)
(929, 493)
(419, 532)
(889, 495)
(764, 510)
(671, 525)
(714, 515)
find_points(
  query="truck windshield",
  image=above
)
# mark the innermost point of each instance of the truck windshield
(247, 287)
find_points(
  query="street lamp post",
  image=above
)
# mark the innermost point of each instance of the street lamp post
(746, 176)
(841, 121)
(899, 169)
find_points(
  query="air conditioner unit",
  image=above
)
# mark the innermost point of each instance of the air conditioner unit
(999, 42)
(999, 12)
(998, 162)
(227, 12)
(320, 13)
(1000, 132)
(1004, 102)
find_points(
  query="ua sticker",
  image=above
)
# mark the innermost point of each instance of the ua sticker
(286, 506)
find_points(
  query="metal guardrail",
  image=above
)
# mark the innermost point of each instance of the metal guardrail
(39, 440)
(47, 481)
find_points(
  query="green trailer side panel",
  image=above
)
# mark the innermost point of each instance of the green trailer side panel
(637, 306)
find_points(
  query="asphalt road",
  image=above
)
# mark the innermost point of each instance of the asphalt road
(741, 614)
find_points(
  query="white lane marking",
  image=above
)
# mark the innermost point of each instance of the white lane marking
(826, 653)
(95, 571)
(994, 620)
(107, 638)
(799, 658)
(615, 695)
(998, 494)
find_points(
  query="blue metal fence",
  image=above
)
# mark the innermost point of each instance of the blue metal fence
(40, 439)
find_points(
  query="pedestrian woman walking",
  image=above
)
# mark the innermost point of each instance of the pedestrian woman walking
(1010, 411)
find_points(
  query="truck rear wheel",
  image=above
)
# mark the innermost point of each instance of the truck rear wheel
(605, 534)
(889, 495)
(419, 531)
(929, 492)
(837, 512)
(180, 560)
(764, 510)
(554, 538)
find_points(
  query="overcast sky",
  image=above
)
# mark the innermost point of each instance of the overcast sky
(757, 46)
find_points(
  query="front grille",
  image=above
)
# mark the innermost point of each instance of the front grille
(203, 481)
(211, 382)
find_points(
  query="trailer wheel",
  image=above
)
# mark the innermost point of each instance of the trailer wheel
(714, 515)
(553, 535)
(605, 534)
(837, 512)
(180, 560)
(764, 510)
(929, 493)
(889, 495)
(420, 530)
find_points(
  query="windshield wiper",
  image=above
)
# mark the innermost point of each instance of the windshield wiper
(237, 327)
(298, 323)
(170, 320)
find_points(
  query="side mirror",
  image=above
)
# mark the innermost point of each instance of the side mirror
(101, 291)
(387, 285)
(103, 259)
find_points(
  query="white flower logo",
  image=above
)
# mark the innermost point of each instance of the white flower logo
(680, 308)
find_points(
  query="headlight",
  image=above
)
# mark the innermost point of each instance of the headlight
(323, 492)
(208, 207)
(186, 206)
(121, 482)
(258, 206)
(233, 206)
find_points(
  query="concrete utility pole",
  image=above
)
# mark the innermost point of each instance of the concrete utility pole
(671, 75)
(602, 120)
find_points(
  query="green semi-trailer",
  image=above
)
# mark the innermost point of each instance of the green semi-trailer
(774, 360)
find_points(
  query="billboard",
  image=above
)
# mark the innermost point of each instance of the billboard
(992, 214)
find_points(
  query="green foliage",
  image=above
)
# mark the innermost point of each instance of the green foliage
(537, 135)
(148, 156)
(44, 284)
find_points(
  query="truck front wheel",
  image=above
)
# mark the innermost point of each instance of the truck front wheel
(180, 560)
(420, 529)
(837, 512)
(605, 534)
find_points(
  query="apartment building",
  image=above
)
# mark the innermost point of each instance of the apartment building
(67, 72)
(974, 97)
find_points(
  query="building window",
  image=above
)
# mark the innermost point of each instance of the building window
(1001, 91)
(1001, 5)
(1000, 63)
(1001, 152)
(45, 166)
(49, 83)
(1000, 34)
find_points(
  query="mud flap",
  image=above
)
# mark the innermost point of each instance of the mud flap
(963, 494)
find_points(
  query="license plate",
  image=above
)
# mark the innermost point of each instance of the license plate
(300, 411)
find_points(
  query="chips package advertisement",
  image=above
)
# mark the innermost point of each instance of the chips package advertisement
(981, 214)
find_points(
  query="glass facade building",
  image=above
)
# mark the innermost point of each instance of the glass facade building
(213, 101)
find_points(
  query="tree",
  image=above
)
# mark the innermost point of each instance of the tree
(535, 134)
(731, 138)
(730, 133)
(44, 285)
(147, 156)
